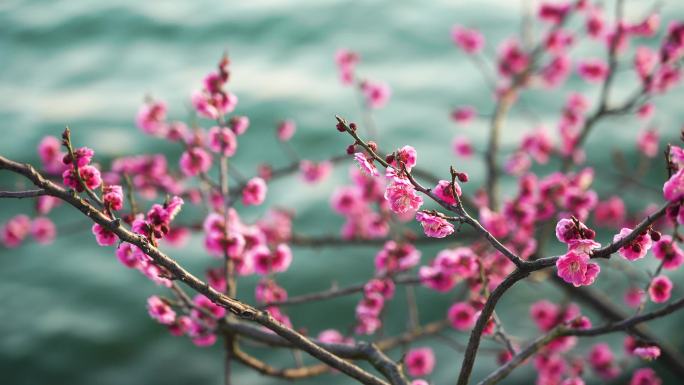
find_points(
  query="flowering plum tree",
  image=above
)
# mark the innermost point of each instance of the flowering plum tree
(494, 240)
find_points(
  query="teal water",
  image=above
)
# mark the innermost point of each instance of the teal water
(72, 315)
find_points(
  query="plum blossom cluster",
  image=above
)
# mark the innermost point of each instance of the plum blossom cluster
(384, 202)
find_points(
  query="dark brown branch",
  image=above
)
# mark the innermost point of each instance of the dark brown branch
(23, 194)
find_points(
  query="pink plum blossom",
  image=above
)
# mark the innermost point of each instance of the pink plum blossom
(43, 230)
(462, 147)
(445, 191)
(464, 114)
(160, 310)
(151, 118)
(195, 161)
(315, 172)
(576, 269)
(592, 70)
(112, 196)
(366, 164)
(470, 41)
(637, 248)
(673, 189)
(222, 141)
(647, 142)
(50, 155)
(377, 94)
(434, 226)
(89, 174)
(103, 236)
(660, 289)
(286, 129)
(419, 362)
(254, 192)
(645, 376)
(462, 316)
(668, 252)
(15, 230)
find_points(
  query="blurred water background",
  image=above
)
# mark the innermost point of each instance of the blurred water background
(71, 314)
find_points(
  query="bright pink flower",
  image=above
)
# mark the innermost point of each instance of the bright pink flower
(579, 202)
(558, 41)
(346, 61)
(645, 61)
(151, 118)
(213, 106)
(437, 278)
(673, 45)
(554, 13)
(419, 382)
(50, 154)
(129, 255)
(518, 163)
(406, 156)
(538, 144)
(83, 156)
(266, 262)
(315, 172)
(239, 124)
(494, 222)
(596, 23)
(286, 129)
(366, 164)
(395, 257)
(384, 287)
(268, 291)
(610, 213)
(15, 230)
(646, 111)
(575, 268)
(470, 41)
(647, 28)
(645, 376)
(181, 326)
(669, 252)
(568, 230)
(637, 248)
(103, 236)
(370, 306)
(89, 174)
(222, 141)
(545, 314)
(462, 147)
(660, 289)
(43, 230)
(647, 353)
(367, 325)
(445, 191)
(647, 142)
(160, 310)
(112, 195)
(512, 60)
(602, 360)
(377, 94)
(464, 114)
(254, 192)
(419, 362)
(402, 197)
(673, 189)
(333, 336)
(462, 316)
(434, 226)
(592, 70)
(194, 161)
(45, 204)
(633, 297)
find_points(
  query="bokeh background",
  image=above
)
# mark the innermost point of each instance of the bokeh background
(72, 314)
